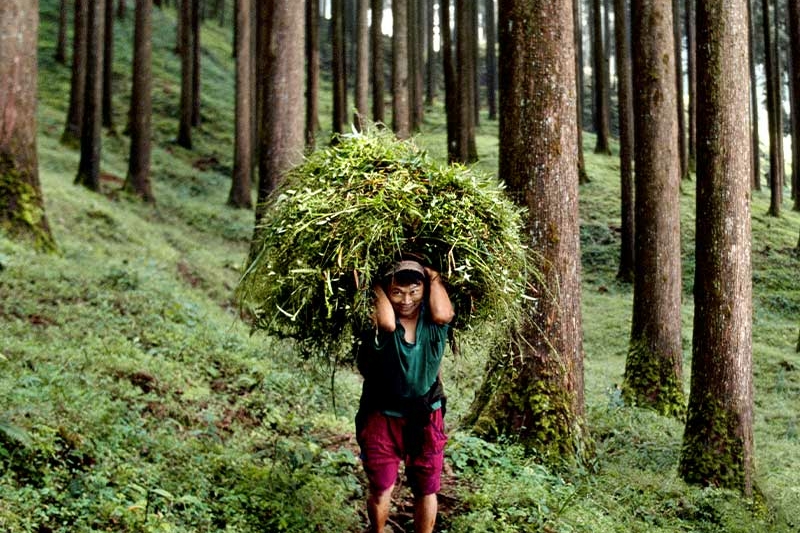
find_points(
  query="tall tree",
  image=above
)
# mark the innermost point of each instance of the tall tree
(626, 141)
(653, 368)
(89, 165)
(691, 74)
(577, 15)
(22, 213)
(491, 59)
(755, 143)
(431, 86)
(718, 439)
(599, 87)
(466, 149)
(281, 133)
(794, 30)
(185, 50)
(475, 61)
(676, 28)
(141, 109)
(72, 129)
(376, 45)
(362, 64)
(339, 67)
(401, 107)
(121, 9)
(108, 67)
(241, 183)
(541, 401)
(195, 62)
(414, 67)
(61, 40)
(312, 70)
(773, 110)
(448, 66)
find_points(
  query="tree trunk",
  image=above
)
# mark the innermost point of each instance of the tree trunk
(312, 71)
(466, 151)
(608, 37)
(89, 166)
(376, 44)
(61, 40)
(540, 401)
(339, 67)
(362, 65)
(72, 129)
(754, 136)
(773, 108)
(450, 98)
(22, 214)
(195, 63)
(475, 61)
(583, 177)
(718, 439)
(431, 87)
(121, 9)
(679, 109)
(626, 140)
(141, 112)
(653, 373)
(691, 52)
(491, 59)
(794, 85)
(401, 110)
(600, 89)
(241, 184)
(281, 134)
(108, 67)
(414, 68)
(187, 64)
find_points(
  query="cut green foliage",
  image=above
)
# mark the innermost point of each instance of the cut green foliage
(342, 217)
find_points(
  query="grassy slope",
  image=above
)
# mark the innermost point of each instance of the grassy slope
(132, 399)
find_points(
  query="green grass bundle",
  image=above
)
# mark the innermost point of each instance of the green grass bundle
(349, 211)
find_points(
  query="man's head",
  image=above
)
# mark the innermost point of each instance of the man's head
(405, 288)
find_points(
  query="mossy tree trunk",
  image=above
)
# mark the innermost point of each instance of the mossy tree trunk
(625, 104)
(718, 439)
(653, 368)
(281, 139)
(401, 107)
(376, 45)
(141, 108)
(22, 212)
(599, 87)
(74, 122)
(241, 183)
(536, 395)
(91, 130)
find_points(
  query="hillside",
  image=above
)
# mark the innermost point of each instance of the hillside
(132, 398)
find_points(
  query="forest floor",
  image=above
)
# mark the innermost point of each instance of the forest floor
(133, 398)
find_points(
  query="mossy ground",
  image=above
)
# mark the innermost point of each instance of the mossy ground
(133, 399)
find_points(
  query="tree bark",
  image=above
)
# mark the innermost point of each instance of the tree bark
(72, 129)
(466, 150)
(583, 176)
(22, 212)
(141, 111)
(414, 68)
(376, 44)
(431, 86)
(600, 89)
(773, 109)
(626, 140)
(794, 29)
(754, 135)
(240, 194)
(121, 9)
(491, 59)
(691, 53)
(281, 134)
(450, 99)
(401, 110)
(108, 67)
(89, 165)
(475, 61)
(339, 67)
(187, 65)
(61, 40)
(362, 65)
(653, 368)
(718, 439)
(195, 63)
(679, 109)
(312, 71)
(540, 401)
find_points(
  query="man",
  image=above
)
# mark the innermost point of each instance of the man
(400, 416)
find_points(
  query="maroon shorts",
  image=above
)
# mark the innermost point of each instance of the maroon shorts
(382, 449)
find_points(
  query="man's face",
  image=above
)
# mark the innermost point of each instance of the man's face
(406, 299)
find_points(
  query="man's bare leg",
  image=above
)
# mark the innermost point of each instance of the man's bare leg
(378, 509)
(425, 508)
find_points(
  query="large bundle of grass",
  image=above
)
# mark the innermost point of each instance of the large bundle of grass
(349, 211)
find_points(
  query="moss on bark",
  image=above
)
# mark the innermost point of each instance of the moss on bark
(650, 381)
(22, 211)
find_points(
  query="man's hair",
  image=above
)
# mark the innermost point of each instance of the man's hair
(405, 278)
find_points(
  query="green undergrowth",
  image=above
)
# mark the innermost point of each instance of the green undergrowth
(134, 399)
